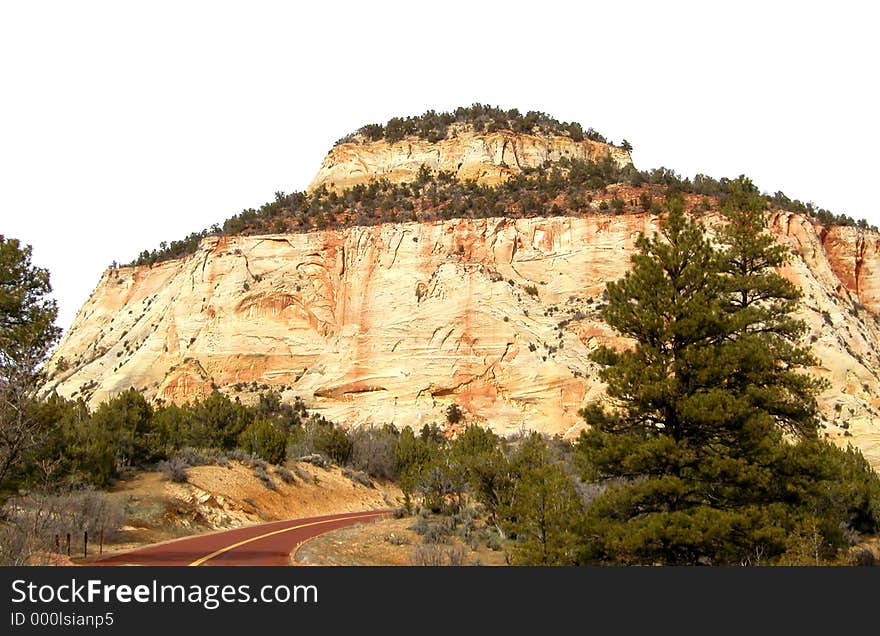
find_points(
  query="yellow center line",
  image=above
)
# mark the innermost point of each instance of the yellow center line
(223, 550)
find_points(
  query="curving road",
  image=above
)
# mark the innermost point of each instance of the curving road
(264, 544)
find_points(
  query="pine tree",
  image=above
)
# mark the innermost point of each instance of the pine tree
(27, 333)
(710, 453)
(759, 304)
(478, 453)
(542, 509)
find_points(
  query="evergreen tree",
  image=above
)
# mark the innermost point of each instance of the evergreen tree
(542, 510)
(478, 452)
(761, 348)
(263, 439)
(694, 452)
(127, 420)
(27, 333)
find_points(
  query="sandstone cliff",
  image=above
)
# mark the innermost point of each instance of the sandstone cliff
(392, 323)
(488, 158)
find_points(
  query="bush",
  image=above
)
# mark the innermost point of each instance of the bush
(434, 555)
(395, 539)
(493, 542)
(301, 474)
(315, 459)
(427, 555)
(454, 414)
(200, 457)
(237, 454)
(372, 451)
(863, 557)
(284, 475)
(358, 477)
(331, 441)
(262, 474)
(263, 439)
(455, 555)
(438, 531)
(175, 469)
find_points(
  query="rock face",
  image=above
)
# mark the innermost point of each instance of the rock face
(393, 323)
(487, 158)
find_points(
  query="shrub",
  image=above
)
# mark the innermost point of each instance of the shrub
(396, 539)
(200, 457)
(175, 469)
(301, 474)
(237, 454)
(358, 477)
(427, 555)
(432, 531)
(284, 474)
(863, 557)
(331, 441)
(455, 555)
(454, 414)
(493, 542)
(432, 555)
(263, 439)
(262, 474)
(30, 524)
(315, 459)
(372, 451)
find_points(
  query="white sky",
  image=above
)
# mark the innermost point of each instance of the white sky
(125, 124)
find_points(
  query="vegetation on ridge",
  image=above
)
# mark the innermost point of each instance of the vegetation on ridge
(564, 188)
(433, 126)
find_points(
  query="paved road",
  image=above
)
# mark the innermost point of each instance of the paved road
(264, 544)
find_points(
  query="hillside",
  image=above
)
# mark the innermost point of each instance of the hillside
(418, 273)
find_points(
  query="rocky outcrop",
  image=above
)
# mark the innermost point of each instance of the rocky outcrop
(392, 323)
(487, 158)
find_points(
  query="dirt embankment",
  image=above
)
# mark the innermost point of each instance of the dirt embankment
(222, 497)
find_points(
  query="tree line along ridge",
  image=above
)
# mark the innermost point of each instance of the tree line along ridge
(569, 187)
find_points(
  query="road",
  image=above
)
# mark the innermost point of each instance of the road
(264, 544)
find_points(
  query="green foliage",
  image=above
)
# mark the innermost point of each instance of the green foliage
(454, 414)
(27, 311)
(263, 439)
(479, 453)
(85, 448)
(440, 483)
(560, 188)
(127, 420)
(433, 126)
(27, 333)
(412, 451)
(216, 422)
(542, 508)
(331, 441)
(694, 456)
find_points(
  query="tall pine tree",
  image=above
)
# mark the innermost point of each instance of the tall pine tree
(709, 452)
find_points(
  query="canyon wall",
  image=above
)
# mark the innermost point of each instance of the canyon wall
(488, 158)
(393, 323)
